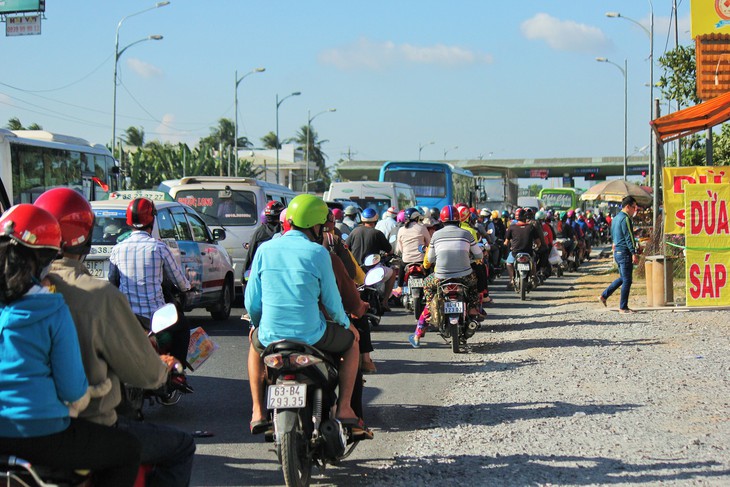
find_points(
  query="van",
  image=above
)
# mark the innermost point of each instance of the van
(530, 202)
(373, 194)
(229, 203)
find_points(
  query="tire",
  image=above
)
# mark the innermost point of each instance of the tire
(418, 306)
(455, 338)
(223, 309)
(523, 288)
(295, 465)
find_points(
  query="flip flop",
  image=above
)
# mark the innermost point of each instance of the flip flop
(260, 426)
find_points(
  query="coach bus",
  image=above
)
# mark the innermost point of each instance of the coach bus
(32, 161)
(561, 199)
(436, 184)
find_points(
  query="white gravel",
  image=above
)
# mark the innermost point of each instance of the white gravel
(578, 395)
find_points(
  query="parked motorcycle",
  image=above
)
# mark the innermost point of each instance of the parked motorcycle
(452, 314)
(523, 280)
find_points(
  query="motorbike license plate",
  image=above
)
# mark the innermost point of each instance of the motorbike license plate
(97, 268)
(284, 396)
(523, 267)
(415, 282)
(453, 307)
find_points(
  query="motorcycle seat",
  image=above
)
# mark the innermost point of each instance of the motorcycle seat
(296, 347)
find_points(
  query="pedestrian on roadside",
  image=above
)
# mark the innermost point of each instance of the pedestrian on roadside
(625, 252)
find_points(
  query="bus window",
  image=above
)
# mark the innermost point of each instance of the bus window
(237, 208)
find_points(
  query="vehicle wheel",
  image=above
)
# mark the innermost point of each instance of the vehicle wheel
(523, 289)
(455, 338)
(223, 310)
(418, 307)
(559, 271)
(295, 463)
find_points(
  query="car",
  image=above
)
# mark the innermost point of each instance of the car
(205, 261)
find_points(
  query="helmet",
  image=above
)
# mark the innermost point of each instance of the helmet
(141, 213)
(520, 214)
(273, 210)
(449, 213)
(285, 226)
(505, 214)
(571, 213)
(530, 213)
(74, 215)
(391, 212)
(31, 226)
(434, 213)
(282, 216)
(427, 222)
(463, 213)
(495, 215)
(484, 212)
(412, 214)
(338, 214)
(540, 215)
(329, 224)
(369, 215)
(401, 218)
(306, 211)
(351, 210)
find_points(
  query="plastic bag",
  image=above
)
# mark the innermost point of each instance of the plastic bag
(555, 258)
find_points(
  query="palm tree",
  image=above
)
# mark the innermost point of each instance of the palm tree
(14, 124)
(134, 136)
(270, 142)
(315, 152)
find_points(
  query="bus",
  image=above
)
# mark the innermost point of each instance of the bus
(436, 184)
(32, 161)
(561, 199)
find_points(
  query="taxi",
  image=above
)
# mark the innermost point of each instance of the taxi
(206, 263)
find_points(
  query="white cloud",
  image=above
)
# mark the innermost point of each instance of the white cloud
(166, 132)
(6, 100)
(368, 54)
(564, 35)
(144, 69)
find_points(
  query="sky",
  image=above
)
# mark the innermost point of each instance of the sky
(478, 78)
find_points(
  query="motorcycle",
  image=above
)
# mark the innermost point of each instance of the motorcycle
(452, 315)
(556, 257)
(302, 401)
(370, 294)
(523, 280)
(413, 293)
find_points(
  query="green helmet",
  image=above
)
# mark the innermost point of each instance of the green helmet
(306, 211)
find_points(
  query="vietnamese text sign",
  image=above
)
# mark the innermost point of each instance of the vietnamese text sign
(709, 16)
(23, 26)
(707, 238)
(676, 181)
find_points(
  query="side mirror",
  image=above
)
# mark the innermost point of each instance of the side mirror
(164, 318)
(219, 234)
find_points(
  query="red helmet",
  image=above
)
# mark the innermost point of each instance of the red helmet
(273, 208)
(464, 213)
(449, 213)
(339, 215)
(520, 214)
(74, 215)
(141, 213)
(31, 226)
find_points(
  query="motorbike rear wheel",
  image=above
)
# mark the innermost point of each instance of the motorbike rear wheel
(295, 463)
(523, 288)
(455, 339)
(418, 307)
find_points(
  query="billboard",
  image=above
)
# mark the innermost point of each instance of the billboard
(16, 6)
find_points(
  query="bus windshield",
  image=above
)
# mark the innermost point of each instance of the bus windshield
(222, 208)
(424, 183)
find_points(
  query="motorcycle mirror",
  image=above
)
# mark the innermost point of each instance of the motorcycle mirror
(375, 275)
(164, 318)
(372, 259)
(422, 248)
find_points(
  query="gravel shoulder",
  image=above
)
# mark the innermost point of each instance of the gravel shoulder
(562, 391)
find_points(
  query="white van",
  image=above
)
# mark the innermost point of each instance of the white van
(231, 203)
(373, 194)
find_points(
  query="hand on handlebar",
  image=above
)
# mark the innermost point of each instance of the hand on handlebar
(172, 363)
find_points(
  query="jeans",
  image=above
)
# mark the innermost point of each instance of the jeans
(169, 450)
(625, 269)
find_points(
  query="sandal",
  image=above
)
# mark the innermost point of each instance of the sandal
(260, 426)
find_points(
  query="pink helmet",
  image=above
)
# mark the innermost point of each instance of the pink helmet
(401, 218)
(339, 215)
(571, 213)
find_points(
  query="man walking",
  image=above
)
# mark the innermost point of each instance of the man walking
(624, 253)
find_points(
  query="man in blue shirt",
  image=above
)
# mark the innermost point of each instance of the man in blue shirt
(290, 277)
(624, 253)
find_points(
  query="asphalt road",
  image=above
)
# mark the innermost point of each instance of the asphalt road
(405, 394)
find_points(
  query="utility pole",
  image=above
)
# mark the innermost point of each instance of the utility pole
(676, 45)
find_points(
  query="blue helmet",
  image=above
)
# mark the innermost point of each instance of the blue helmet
(412, 214)
(369, 215)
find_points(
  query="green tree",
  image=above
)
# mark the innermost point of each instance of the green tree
(270, 141)
(14, 124)
(534, 189)
(317, 157)
(134, 136)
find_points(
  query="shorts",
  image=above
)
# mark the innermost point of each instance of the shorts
(336, 339)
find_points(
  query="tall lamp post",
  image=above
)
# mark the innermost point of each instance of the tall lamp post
(278, 104)
(118, 53)
(421, 146)
(624, 72)
(446, 151)
(235, 109)
(309, 130)
(650, 33)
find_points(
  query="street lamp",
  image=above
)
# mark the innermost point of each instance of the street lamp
(446, 151)
(309, 129)
(278, 104)
(650, 33)
(624, 72)
(118, 53)
(235, 105)
(421, 146)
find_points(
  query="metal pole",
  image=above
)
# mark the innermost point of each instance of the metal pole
(651, 95)
(235, 111)
(309, 123)
(277, 138)
(657, 170)
(626, 117)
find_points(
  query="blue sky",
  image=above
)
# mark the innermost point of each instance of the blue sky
(500, 79)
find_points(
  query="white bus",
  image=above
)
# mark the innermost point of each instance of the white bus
(32, 161)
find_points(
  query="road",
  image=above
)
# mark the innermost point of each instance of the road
(403, 396)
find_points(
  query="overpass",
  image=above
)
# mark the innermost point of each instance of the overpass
(594, 168)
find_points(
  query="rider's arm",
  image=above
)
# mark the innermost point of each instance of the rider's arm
(253, 297)
(171, 268)
(430, 259)
(114, 276)
(330, 295)
(69, 377)
(475, 250)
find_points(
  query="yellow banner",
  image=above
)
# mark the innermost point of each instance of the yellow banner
(709, 16)
(706, 216)
(676, 180)
(707, 278)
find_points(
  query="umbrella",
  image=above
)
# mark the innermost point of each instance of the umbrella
(615, 190)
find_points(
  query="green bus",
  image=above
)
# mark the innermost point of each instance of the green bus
(561, 199)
